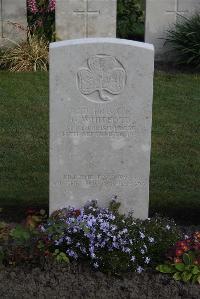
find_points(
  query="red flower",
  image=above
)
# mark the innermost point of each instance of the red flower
(31, 211)
(179, 252)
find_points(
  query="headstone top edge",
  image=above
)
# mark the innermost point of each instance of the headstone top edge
(106, 40)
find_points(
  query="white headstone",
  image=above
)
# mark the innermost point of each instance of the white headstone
(85, 18)
(160, 14)
(13, 15)
(100, 122)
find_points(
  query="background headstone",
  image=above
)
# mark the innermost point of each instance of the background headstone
(160, 14)
(100, 122)
(12, 14)
(85, 18)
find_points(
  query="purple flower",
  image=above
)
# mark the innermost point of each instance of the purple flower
(142, 236)
(140, 269)
(133, 259)
(99, 236)
(72, 253)
(147, 260)
(151, 240)
(142, 251)
(115, 245)
(68, 239)
(126, 249)
(58, 242)
(96, 265)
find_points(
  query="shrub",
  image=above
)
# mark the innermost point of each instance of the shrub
(41, 18)
(109, 241)
(184, 260)
(30, 55)
(18, 245)
(184, 38)
(130, 22)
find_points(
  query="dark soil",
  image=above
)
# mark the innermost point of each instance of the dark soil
(18, 213)
(78, 281)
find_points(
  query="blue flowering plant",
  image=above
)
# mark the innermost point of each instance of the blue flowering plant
(109, 241)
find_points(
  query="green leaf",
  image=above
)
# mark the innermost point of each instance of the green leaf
(186, 259)
(180, 267)
(194, 278)
(195, 270)
(165, 268)
(62, 257)
(1, 255)
(20, 234)
(186, 276)
(198, 279)
(177, 276)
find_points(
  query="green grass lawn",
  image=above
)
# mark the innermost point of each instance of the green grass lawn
(175, 167)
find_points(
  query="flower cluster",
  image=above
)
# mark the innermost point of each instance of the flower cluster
(41, 18)
(52, 5)
(189, 245)
(32, 6)
(110, 241)
(46, 6)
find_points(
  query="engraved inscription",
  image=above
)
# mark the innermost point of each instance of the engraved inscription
(104, 78)
(103, 122)
(102, 180)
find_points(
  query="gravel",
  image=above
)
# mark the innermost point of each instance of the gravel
(79, 281)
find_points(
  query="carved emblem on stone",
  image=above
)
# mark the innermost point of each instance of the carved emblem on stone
(102, 79)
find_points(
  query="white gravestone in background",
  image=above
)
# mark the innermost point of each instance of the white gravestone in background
(160, 14)
(85, 18)
(100, 122)
(12, 14)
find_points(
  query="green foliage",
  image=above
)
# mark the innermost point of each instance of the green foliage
(181, 271)
(60, 256)
(130, 22)
(20, 234)
(17, 244)
(165, 232)
(42, 20)
(184, 38)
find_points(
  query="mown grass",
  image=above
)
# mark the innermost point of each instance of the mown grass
(175, 167)
(175, 163)
(23, 138)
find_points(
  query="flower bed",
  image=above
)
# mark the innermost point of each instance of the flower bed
(103, 242)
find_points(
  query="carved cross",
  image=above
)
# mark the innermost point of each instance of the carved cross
(176, 10)
(87, 12)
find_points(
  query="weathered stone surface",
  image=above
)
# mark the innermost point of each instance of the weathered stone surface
(160, 14)
(100, 122)
(13, 14)
(85, 18)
